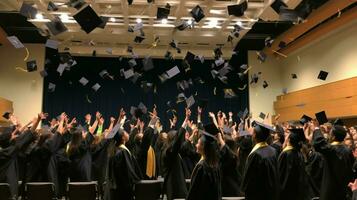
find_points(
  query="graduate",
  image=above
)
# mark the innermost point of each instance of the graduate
(261, 178)
(10, 148)
(294, 181)
(206, 177)
(337, 171)
(122, 172)
(172, 163)
(78, 151)
(231, 178)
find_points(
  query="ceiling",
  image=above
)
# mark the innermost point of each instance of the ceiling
(203, 37)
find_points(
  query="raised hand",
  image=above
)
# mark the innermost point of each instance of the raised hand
(98, 115)
(230, 114)
(42, 115)
(112, 119)
(188, 113)
(199, 110)
(211, 114)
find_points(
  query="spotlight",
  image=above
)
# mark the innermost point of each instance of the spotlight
(64, 17)
(39, 16)
(164, 21)
(138, 20)
(112, 19)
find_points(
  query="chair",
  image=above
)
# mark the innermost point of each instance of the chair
(40, 190)
(5, 191)
(315, 198)
(82, 190)
(233, 198)
(148, 190)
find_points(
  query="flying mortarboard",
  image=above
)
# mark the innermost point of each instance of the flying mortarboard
(321, 117)
(43, 73)
(265, 84)
(53, 44)
(31, 66)
(51, 87)
(190, 101)
(88, 19)
(139, 39)
(322, 75)
(305, 119)
(261, 56)
(77, 4)
(56, 26)
(197, 13)
(294, 76)
(52, 6)
(238, 10)
(28, 11)
(83, 81)
(6, 115)
(96, 87)
(15, 42)
(104, 22)
(163, 13)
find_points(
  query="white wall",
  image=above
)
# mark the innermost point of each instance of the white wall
(260, 99)
(336, 54)
(24, 89)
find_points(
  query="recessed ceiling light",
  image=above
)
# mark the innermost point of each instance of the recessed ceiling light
(112, 19)
(164, 21)
(64, 17)
(39, 16)
(239, 23)
(213, 23)
(138, 20)
(189, 22)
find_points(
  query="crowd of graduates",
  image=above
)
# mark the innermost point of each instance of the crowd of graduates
(224, 158)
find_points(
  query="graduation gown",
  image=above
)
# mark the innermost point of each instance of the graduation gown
(122, 175)
(261, 178)
(42, 165)
(146, 142)
(189, 156)
(205, 183)
(314, 169)
(231, 178)
(81, 161)
(8, 160)
(99, 161)
(294, 181)
(337, 172)
(173, 168)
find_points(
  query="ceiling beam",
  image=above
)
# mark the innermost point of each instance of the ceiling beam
(327, 10)
(348, 17)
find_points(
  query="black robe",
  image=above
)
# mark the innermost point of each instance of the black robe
(8, 160)
(294, 182)
(122, 174)
(99, 162)
(81, 161)
(189, 156)
(314, 169)
(147, 141)
(173, 168)
(231, 178)
(42, 165)
(261, 178)
(337, 168)
(205, 183)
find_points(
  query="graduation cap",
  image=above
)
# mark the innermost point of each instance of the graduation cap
(238, 10)
(229, 93)
(142, 107)
(261, 56)
(94, 53)
(322, 75)
(15, 42)
(28, 11)
(284, 90)
(104, 22)
(83, 81)
(147, 63)
(211, 130)
(289, 15)
(132, 62)
(190, 57)
(217, 52)
(168, 55)
(305, 119)
(181, 97)
(163, 13)
(268, 42)
(282, 44)
(262, 128)
(116, 133)
(51, 87)
(139, 39)
(254, 78)
(31, 66)
(265, 84)
(88, 19)
(56, 26)
(7, 114)
(182, 25)
(96, 87)
(53, 44)
(294, 76)
(128, 73)
(43, 73)
(197, 13)
(321, 117)
(172, 72)
(130, 2)
(51, 6)
(77, 4)
(277, 4)
(296, 135)
(262, 115)
(190, 101)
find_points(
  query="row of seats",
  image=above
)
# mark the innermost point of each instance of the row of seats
(144, 190)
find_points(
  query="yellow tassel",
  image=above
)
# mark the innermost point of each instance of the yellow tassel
(151, 163)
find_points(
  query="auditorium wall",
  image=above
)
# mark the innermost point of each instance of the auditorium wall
(336, 53)
(22, 88)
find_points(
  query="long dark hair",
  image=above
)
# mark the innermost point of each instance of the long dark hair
(211, 153)
(75, 142)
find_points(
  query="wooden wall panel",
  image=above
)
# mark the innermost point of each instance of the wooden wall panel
(5, 105)
(338, 99)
